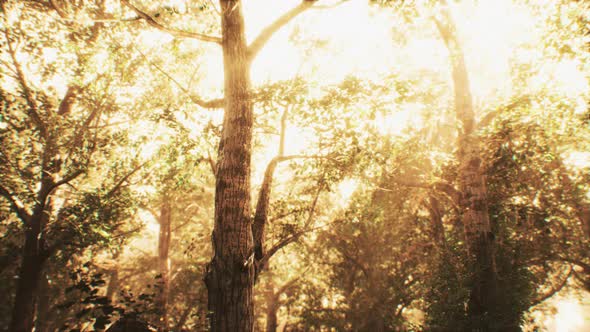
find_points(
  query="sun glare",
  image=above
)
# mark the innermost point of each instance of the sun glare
(352, 38)
(346, 188)
(569, 317)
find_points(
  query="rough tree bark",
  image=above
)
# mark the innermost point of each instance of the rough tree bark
(23, 312)
(230, 275)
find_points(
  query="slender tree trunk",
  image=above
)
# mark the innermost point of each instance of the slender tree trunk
(438, 230)
(272, 307)
(230, 275)
(28, 280)
(165, 221)
(113, 285)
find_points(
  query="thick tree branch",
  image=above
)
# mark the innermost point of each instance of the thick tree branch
(266, 34)
(283, 131)
(261, 216)
(15, 206)
(58, 9)
(261, 263)
(66, 104)
(177, 33)
(256, 46)
(286, 286)
(212, 164)
(214, 103)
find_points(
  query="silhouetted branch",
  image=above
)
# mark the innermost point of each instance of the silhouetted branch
(178, 33)
(554, 289)
(66, 179)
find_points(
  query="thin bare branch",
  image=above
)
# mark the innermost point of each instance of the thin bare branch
(124, 179)
(66, 179)
(211, 104)
(177, 33)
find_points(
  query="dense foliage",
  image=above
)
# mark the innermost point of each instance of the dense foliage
(114, 153)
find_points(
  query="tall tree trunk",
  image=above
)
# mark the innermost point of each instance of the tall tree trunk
(230, 275)
(165, 220)
(473, 191)
(28, 280)
(274, 303)
(272, 307)
(43, 305)
(436, 222)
